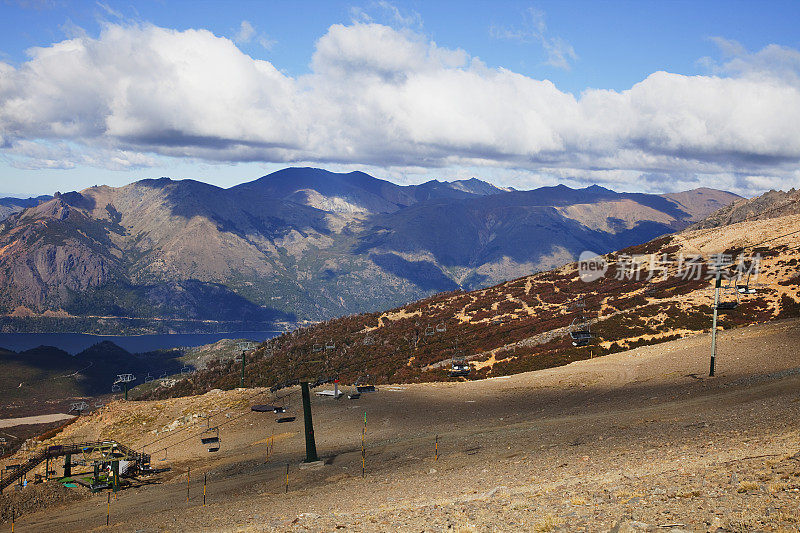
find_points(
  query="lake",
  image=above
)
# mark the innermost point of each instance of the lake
(77, 342)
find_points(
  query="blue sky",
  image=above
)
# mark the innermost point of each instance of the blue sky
(510, 47)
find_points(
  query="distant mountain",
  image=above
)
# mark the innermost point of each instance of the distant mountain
(356, 192)
(482, 240)
(9, 206)
(298, 244)
(49, 378)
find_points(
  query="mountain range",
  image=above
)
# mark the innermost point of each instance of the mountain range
(299, 245)
(9, 205)
(530, 323)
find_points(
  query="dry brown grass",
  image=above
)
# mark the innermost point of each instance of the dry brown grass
(747, 486)
(548, 523)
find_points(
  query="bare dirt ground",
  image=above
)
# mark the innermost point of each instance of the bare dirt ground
(40, 419)
(643, 437)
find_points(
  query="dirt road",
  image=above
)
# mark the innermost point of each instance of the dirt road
(643, 436)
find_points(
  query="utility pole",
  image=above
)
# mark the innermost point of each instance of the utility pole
(717, 285)
(311, 446)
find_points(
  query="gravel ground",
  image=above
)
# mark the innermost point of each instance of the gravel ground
(640, 440)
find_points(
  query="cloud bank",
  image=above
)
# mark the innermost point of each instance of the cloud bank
(394, 99)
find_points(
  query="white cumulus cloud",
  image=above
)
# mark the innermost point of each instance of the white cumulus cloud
(393, 98)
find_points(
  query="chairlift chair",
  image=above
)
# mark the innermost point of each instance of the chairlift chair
(580, 332)
(210, 438)
(186, 370)
(746, 288)
(441, 327)
(364, 385)
(459, 368)
(148, 378)
(317, 348)
(429, 331)
(116, 387)
(731, 302)
(78, 407)
(330, 345)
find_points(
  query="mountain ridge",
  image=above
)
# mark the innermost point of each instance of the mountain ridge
(301, 244)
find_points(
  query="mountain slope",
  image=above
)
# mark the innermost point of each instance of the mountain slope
(9, 206)
(769, 205)
(299, 244)
(525, 324)
(486, 239)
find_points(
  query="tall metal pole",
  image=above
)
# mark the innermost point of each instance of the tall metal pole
(717, 285)
(125, 384)
(115, 473)
(241, 381)
(311, 446)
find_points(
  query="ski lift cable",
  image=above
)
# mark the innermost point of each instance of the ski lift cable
(228, 421)
(172, 434)
(595, 294)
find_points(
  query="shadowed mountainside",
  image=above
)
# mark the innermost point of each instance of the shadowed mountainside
(297, 245)
(526, 324)
(9, 206)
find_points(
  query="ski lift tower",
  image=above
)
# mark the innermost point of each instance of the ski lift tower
(311, 445)
(125, 379)
(305, 380)
(78, 407)
(243, 347)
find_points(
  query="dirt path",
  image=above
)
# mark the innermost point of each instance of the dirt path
(40, 419)
(642, 435)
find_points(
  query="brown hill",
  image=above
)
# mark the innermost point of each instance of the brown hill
(525, 324)
(772, 204)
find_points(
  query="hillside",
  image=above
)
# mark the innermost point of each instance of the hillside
(524, 324)
(46, 379)
(295, 246)
(9, 206)
(772, 204)
(641, 440)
